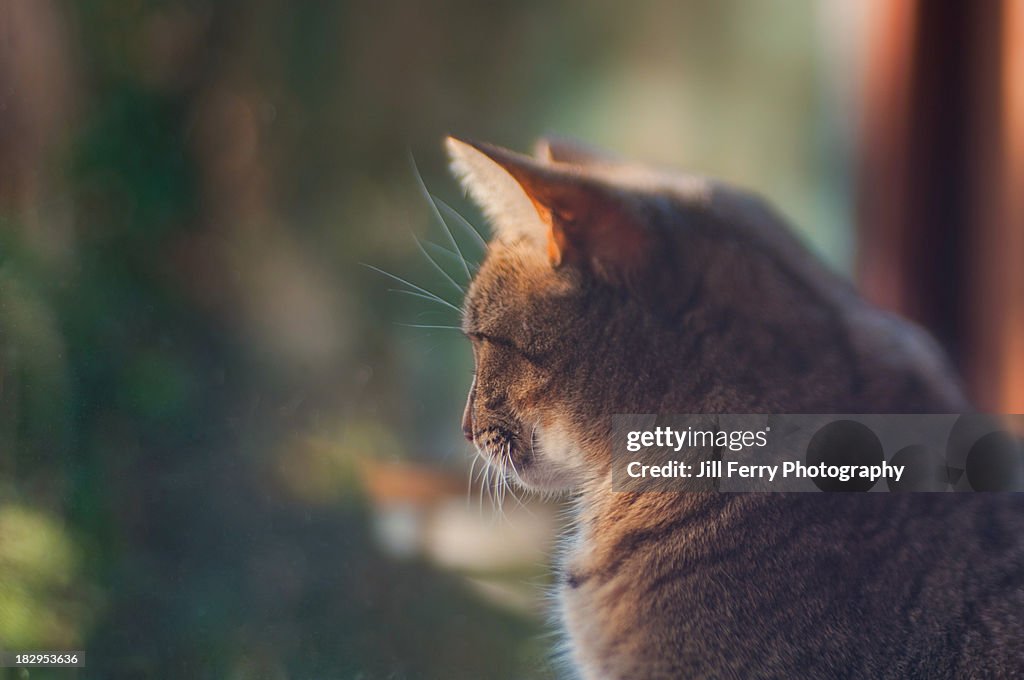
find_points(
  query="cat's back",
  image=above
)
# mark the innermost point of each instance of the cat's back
(799, 585)
(882, 363)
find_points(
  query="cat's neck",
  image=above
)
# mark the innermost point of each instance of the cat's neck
(609, 523)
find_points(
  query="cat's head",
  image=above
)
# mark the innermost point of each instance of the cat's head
(540, 311)
(608, 288)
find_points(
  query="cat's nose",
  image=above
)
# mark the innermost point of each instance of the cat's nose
(467, 414)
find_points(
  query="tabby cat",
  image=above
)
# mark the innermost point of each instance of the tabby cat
(612, 288)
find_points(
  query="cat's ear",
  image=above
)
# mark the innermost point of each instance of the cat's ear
(492, 185)
(557, 149)
(578, 220)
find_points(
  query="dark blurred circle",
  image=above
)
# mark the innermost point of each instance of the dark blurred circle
(994, 463)
(966, 431)
(924, 470)
(844, 442)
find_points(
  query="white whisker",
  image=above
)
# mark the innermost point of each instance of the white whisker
(462, 220)
(437, 266)
(427, 325)
(493, 488)
(480, 491)
(437, 213)
(500, 482)
(520, 479)
(430, 245)
(413, 286)
(469, 482)
(428, 298)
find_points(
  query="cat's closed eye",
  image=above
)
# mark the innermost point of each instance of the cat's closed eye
(499, 341)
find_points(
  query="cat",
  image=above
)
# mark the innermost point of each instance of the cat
(609, 287)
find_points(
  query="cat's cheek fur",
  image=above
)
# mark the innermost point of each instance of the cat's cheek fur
(556, 463)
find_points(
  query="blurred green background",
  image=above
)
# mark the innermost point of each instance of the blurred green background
(222, 455)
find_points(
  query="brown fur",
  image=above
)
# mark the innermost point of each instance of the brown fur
(680, 295)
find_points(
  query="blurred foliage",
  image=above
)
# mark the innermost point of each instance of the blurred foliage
(191, 359)
(39, 598)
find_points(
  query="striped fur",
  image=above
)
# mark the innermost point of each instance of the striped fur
(634, 291)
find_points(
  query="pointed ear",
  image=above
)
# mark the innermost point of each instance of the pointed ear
(496, 191)
(557, 149)
(577, 219)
